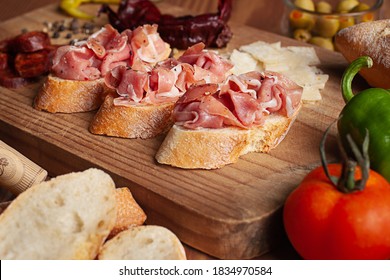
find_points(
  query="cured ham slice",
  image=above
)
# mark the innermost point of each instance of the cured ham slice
(106, 49)
(148, 47)
(208, 65)
(243, 101)
(170, 78)
(75, 63)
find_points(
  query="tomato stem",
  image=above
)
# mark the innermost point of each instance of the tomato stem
(324, 161)
(346, 183)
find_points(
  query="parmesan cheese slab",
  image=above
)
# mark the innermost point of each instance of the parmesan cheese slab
(244, 62)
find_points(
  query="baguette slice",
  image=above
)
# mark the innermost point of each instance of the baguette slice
(215, 148)
(129, 213)
(138, 121)
(70, 96)
(372, 39)
(68, 217)
(143, 243)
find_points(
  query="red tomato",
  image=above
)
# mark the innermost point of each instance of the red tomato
(325, 223)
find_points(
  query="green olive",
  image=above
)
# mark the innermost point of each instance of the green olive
(345, 6)
(322, 42)
(361, 7)
(307, 5)
(327, 26)
(302, 35)
(368, 17)
(301, 20)
(346, 22)
(323, 7)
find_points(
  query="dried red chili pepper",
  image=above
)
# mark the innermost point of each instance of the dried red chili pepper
(180, 32)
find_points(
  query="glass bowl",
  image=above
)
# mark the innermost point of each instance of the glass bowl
(317, 21)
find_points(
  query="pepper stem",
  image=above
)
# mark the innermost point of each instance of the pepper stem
(346, 182)
(353, 68)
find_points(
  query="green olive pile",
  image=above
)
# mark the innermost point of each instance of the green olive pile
(320, 28)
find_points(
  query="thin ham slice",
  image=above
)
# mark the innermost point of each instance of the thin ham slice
(148, 48)
(200, 107)
(129, 84)
(75, 63)
(202, 60)
(117, 53)
(134, 87)
(170, 78)
(243, 101)
(106, 49)
(99, 41)
(279, 94)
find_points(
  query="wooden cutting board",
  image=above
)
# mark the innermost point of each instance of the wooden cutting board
(230, 213)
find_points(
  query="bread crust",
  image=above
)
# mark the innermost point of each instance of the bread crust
(215, 148)
(68, 217)
(149, 242)
(128, 212)
(70, 96)
(138, 121)
(372, 39)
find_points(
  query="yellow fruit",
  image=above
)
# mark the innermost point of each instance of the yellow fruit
(346, 22)
(322, 42)
(345, 6)
(327, 26)
(302, 35)
(361, 7)
(307, 5)
(301, 20)
(323, 7)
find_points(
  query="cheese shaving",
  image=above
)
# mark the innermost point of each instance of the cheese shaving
(297, 63)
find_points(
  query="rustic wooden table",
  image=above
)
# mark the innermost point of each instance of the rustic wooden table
(272, 11)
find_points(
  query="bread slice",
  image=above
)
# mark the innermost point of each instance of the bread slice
(68, 217)
(214, 148)
(372, 39)
(129, 213)
(138, 121)
(143, 243)
(70, 96)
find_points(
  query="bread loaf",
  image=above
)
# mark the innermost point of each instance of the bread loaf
(371, 39)
(68, 217)
(70, 96)
(143, 243)
(129, 213)
(138, 121)
(214, 148)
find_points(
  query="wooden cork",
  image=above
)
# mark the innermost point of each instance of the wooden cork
(18, 173)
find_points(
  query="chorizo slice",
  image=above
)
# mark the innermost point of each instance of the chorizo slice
(30, 42)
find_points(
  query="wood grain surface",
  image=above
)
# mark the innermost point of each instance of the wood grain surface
(230, 213)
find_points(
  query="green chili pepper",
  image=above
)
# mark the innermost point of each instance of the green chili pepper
(367, 110)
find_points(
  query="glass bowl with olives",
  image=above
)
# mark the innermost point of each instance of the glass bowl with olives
(317, 21)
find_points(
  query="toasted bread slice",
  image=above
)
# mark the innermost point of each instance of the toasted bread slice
(372, 39)
(129, 213)
(68, 217)
(214, 148)
(143, 243)
(70, 96)
(138, 121)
